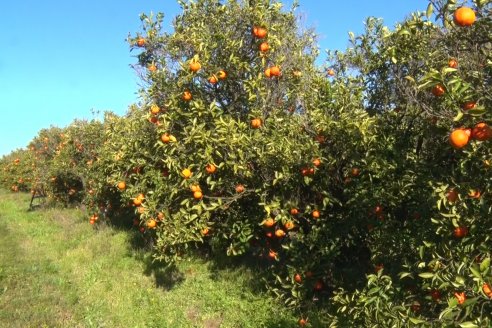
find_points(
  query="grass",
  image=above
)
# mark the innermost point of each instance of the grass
(57, 271)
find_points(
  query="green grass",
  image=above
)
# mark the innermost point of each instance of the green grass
(57, 271)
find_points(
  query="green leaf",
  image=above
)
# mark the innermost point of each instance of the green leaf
(426, 275)
(416, 321)
(430, 10)
(485, 264)
(468, 324)
(458, 116)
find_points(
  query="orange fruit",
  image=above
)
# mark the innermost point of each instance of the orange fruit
(460, 232)
(198, 194)
(481, 131)
(275, 71)
(487, 290)
(438, 90)
(151, 224)
(137, 202)
(165, 138)
(459, 138)
(294, 211)
(213, 79)
(269, 222)
(315, 214)
(195, 187)
(264, 47)
(355, 172)
(318, 285)
(453, 63)
(452, 195)
(279, 233)
(464, 16)
(121, 185)
(187, 95)
(316, 162)
(297, 278)
(239, 188)
(260, 32)
(461, 297)
(302, 322)
(205, 231)
(160, 216)
(268, 73)
(152, 68)
(289, 225)
(330, 72)
(221, 75)
(141, 41)
(469, 105)
(195, 66)
(154, 109)
(272, 254)
(256, 123)
(186, 173)
(475, 194)
(92, 221)
(210, 168)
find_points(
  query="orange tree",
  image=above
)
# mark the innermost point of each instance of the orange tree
(427, 182)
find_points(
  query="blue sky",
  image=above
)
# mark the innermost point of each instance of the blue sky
(61, 59)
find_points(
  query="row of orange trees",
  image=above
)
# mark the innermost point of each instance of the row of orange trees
(362, 187)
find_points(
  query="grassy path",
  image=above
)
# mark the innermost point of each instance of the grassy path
(56, 271)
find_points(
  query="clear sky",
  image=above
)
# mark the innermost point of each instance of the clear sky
(61, 59)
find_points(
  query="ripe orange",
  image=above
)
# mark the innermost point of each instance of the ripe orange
(264, 47)
(187, 95)
(165, 138)
(205, 231)
(239, 188)
(289, 225)
(186, 173)
(302, 322)
(268, 73)
(195, 187)
(459, 138)
(464, 16)
(355, 172)
(269, 223)
(315, 214)
(121, 185)
(475, 194)
(141, 41)
(453, 63)
(210, 168)
(195, 66)
(438, 90)
(92, 221)
(198, 194)
(213, 79)
(316, 162)
(461, 297)
(279, 233)
(160, 216)
(260, 32)
(297, 278)
(256, 123)
(452, 195)
(151, 224)
(275, 71)
(154, 109)
(487, 290)
(481, 131)
(469, 105)
(330, 72)
(272, 254)
(152, 68)
(294, 211)
(221, 75)
(460, 232)
(137, 201)
(318, 285)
